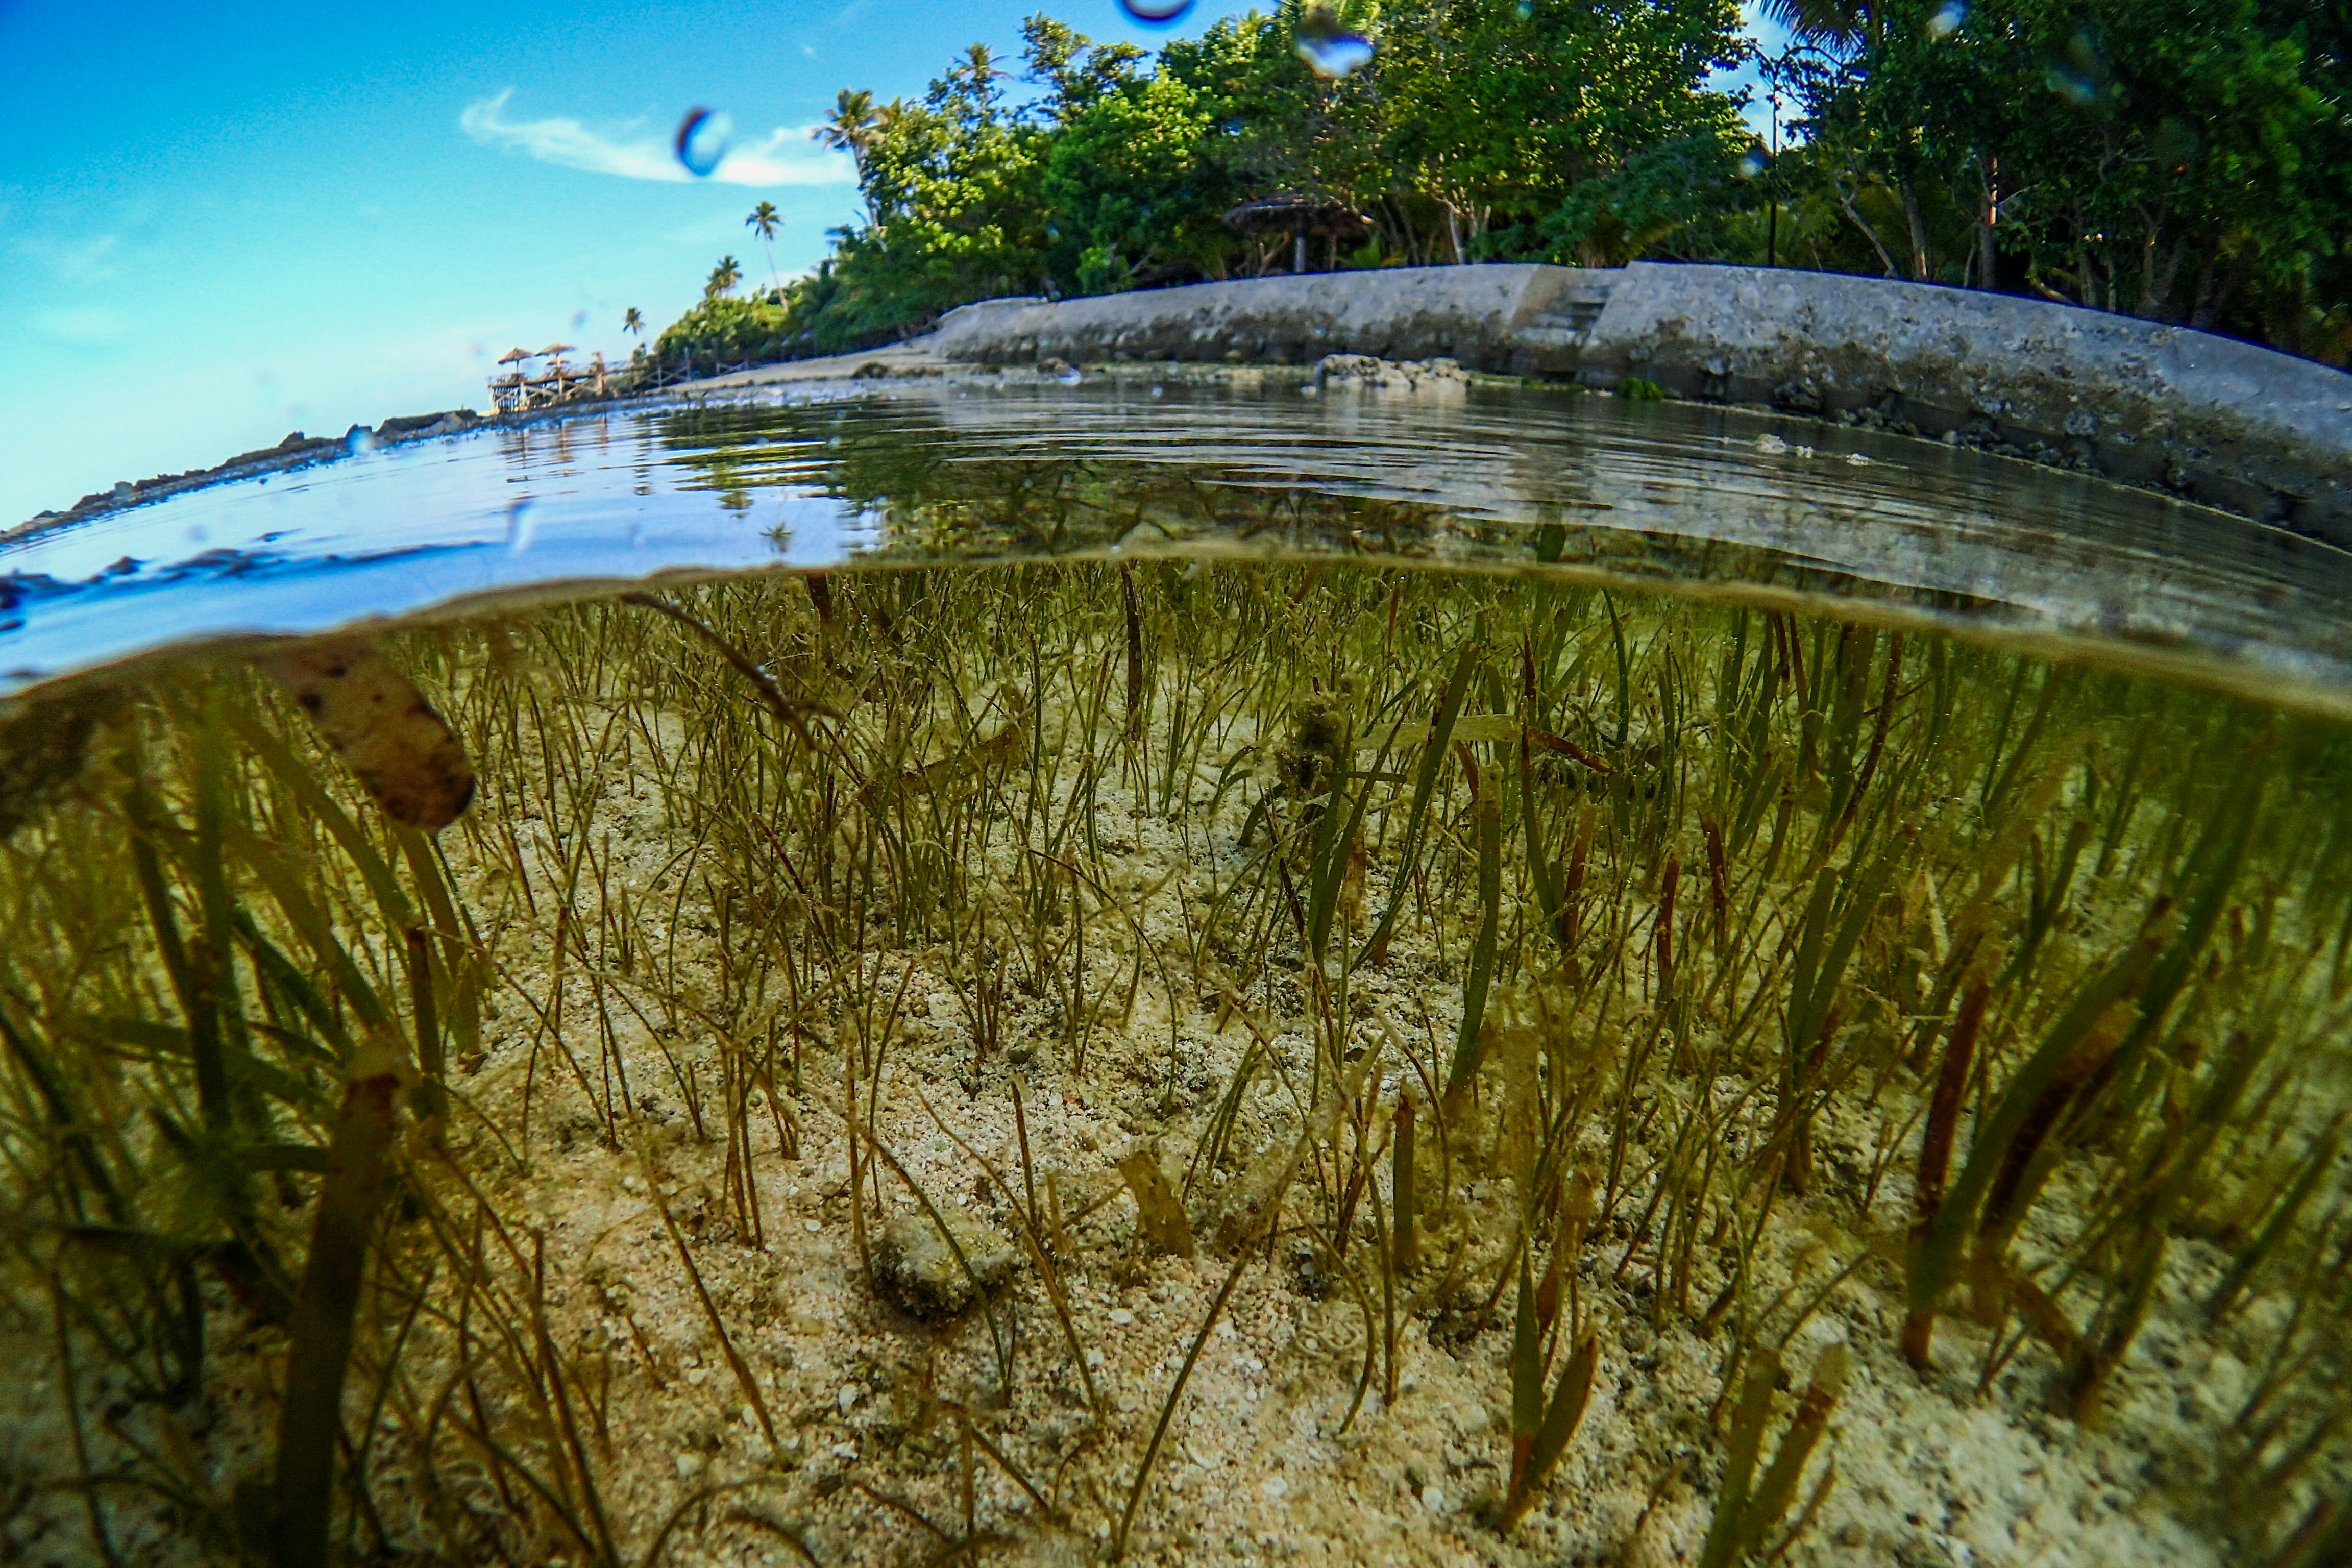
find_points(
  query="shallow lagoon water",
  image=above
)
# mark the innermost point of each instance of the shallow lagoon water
(1250, 1048)
(1703, 499)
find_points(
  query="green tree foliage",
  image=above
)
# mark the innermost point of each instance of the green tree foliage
(1564, 131)
(1483, 128)
(723, 330)
(2187, 160)
(2183, 162)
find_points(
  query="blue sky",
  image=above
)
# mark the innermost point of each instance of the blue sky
(221, 223)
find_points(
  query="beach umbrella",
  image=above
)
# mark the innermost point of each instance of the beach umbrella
(1299, 216)
(515, 356)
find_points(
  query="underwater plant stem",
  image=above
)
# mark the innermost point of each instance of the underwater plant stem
(2282, 1219)
(1405, 1248)
(857, 1192)
(1561, 1416)
(1750, 1506)
(430, 1089)
(1935, 1163)
(1956, 1216)
(69, 1387)
(309, 1413)
(1481, 973)
(1134, 649)
(1778, 1490)
(1241, 1256)
(1388, 1304)
(794, 715)
(1433, 760)
(1721, 1547)
(735, 1361)
(1527, 1377)
(1664, 933)
(1032, 1236)
(188, 987)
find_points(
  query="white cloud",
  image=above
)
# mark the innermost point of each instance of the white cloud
(785, 156)
(86, 327)
(89, 260)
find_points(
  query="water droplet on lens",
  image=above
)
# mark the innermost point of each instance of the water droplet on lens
(2081, 78)
(1330, 50)
(519, 524)
(1155, 392)
(579, 319)
(1948, 18)
(1339, 55)
(1156, 13)
(1753, 164)
(2074, 87)
(1070, 377)
(1526, 10)
(702, 140)
(359, 440)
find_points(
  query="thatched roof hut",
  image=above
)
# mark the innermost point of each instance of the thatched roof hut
(1299, 216)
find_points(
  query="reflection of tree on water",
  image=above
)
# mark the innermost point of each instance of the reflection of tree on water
(1500, 479)
(942, 490)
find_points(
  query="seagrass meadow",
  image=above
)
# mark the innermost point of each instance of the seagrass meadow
(1171, 1060)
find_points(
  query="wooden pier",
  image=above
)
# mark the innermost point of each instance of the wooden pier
(523, 388)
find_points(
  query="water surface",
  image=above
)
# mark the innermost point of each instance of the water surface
(983, 467)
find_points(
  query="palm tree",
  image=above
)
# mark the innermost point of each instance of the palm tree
(1842, 28)
(853, 129)
(980, 67)
(1840, 23)
(980, 60)
(765, 221)
(723, 278)
(633, 323)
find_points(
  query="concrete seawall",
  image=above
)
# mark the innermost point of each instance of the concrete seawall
(2256, 432)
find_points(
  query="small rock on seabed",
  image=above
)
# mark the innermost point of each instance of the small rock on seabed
(1363, 372)
(913, 1262)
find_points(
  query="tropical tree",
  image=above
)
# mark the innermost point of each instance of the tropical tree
(1617, 146)
(2191, 164)
(855, 125)
(2130, 156)
(723, 278)
(720, 330)
(1844, 24)
(765, 221)
(633, 323)
(952, 182)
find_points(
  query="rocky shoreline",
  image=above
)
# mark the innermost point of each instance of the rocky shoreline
(297, 451)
